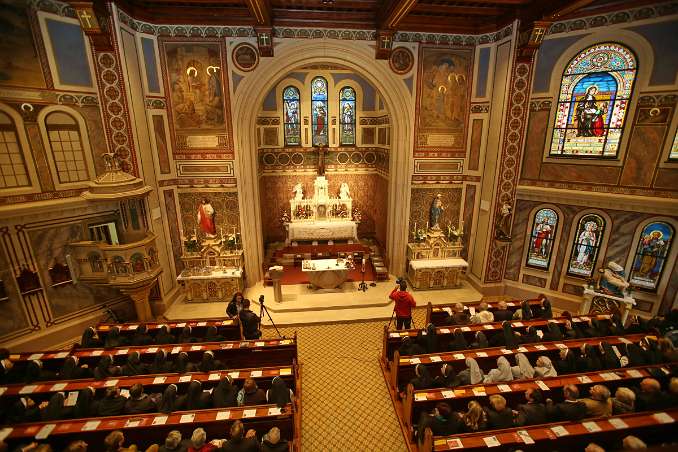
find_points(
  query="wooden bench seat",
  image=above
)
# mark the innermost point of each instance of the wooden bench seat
(437, 314)
(227, 327)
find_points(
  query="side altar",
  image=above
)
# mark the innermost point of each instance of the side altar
(213, 269)
(320, 217)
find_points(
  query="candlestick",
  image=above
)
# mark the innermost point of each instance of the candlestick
(427, 225)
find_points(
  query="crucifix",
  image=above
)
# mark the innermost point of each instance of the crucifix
(385, 42)
(321, 160)
(264, 40)
(537, 35)
(85, 18)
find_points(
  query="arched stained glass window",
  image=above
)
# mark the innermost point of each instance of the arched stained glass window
(319, 111)
(586, 246)
(291, 109)
(653, 248)
(347, 109)
(541, 240)
(595, 92)
(673, 155)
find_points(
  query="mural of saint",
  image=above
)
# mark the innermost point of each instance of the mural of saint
(655, 241)
(206, 218)
(435, 212)
(590, 120)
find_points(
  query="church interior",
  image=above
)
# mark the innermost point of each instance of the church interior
(338, 225)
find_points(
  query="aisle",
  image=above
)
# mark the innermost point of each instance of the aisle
(346, 406)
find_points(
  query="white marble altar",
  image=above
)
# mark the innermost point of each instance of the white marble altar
(211, 285)
(436, 273)
(322, 230)
(326, 273)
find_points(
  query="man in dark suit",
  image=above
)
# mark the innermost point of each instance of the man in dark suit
(532, 412)
(569, 410)
(502, 313)
(139, 402)
(650, 397)
(249, 321)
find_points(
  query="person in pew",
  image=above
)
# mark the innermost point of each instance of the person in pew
(511, 339)
(525, 310)
(544, 367)
(164, 336)
(624, 401)
(114, 339)
(240, 442)
(502, 313)
(56, 408)
(8, 373)
(422, 379)
(650, 396)
(631, 442)
(182, 364)
(567, 361)
(279, 393)
(24, 410)
(530, 337)
(498, 414)
(608, 358)
(430, 339)
(106, 369)
(140, 402)
(593, 447)
(76, 446)
(134, 366)
(652, 352)
(174, 443)
(115, 441)
(553, 332)
(447, 379)
(208, 363)
(199, 442)
(475, 419)
(571, 409)
(403, 304)
(170, 401)
(141, 336)
(212, 335)
(112, 404)
(596, 328)
(186, 336)
(472, 374)
(85, 404)
(250, 394)
(599, 402)
(534, 411)
(459, 315)
(195, 398)
(90, 339)
(271, 442)
(459, 342)
(545, 311)
(483, 315)
(523, 369)
(616, 325)
(225, 394)
(442, 422)
(33, 372)
(70, 370)
(668, 351)
(250, 322)
(235, 305)
(571, 331)
(589, 361)
(410, 347)
(501, 373)
(480, 340)
(159, 364)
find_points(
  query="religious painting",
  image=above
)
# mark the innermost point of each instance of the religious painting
(208, 214)
(541, 239)
(594, 96)
(401, 60)
(651, 253)
(586, 246)
(245, 57)
(319, 111)
(347, 124)
(196, 91)
(673, 155)
(291, 116)
(23, 68)
(443, 97)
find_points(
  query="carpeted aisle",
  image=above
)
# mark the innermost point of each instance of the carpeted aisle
(345, 403)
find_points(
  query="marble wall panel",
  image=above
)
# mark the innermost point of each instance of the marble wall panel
(13, 316)
(173, 225)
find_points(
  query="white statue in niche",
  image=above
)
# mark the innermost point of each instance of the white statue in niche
(344, 192)
(298, 192)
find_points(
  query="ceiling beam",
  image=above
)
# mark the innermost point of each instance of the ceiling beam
(261, 11)
(394, 12)
(451, 10)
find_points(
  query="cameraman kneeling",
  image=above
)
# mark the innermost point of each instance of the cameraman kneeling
(403, 305)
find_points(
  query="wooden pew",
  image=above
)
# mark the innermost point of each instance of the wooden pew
(574, 436)
(445, 334)
(146, 429)
(255, 353)
(229, 328)
(438, 313)
(402, 369)
(416, 402)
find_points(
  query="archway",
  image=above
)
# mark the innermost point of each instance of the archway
(359, 57)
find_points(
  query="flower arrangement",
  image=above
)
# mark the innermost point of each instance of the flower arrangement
(357, 216)
(419, 235)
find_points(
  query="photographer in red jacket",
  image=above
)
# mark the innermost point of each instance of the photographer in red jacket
(403, 305)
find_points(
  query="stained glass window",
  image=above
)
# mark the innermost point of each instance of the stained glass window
(541, 239)
(319, 111)
(673, 155)
(347, 108)
(586, 246)
(594, 96)
(291, 109)
(653, 248)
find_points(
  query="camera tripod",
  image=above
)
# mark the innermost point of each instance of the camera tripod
(264, 310)
(362, 286)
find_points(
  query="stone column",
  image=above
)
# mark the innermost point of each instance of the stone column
(141, 304)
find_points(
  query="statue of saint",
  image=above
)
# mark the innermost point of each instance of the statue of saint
(344, 192)
(612, 280)
(435, 212)
(298, 192)
(502, 226)
(206, 218)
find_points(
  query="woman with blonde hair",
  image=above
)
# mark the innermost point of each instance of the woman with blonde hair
(475, 418)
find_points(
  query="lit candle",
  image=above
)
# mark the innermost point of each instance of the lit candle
(427, 225)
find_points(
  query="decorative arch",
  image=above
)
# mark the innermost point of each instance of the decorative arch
(654, 240)
(358, 56)
(595, 92)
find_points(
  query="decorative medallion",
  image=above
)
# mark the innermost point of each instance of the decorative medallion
(401, 60)
(245, 57)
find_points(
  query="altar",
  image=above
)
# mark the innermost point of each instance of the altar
(322, 230)
(434, 260)
(326, 273)
(436, 273)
